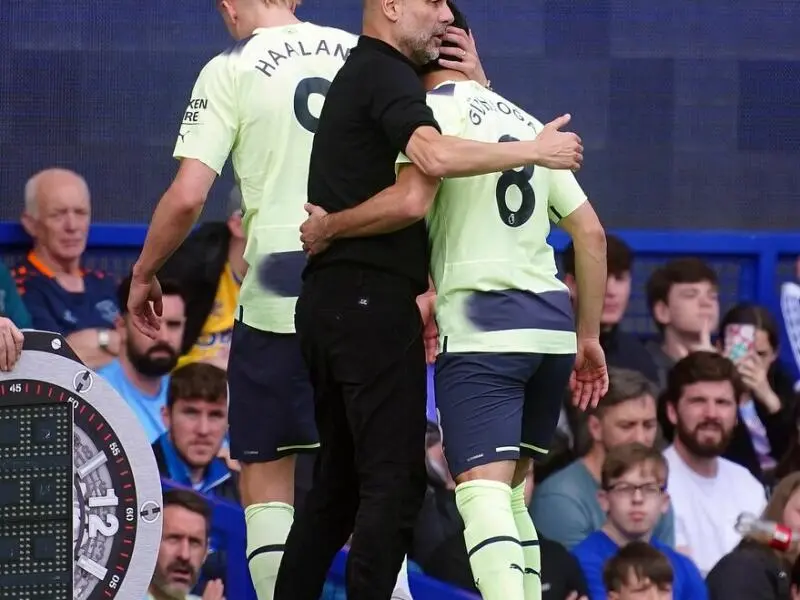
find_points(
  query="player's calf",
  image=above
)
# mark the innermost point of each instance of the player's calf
(483, 497)
(528, 537)
(267, 491)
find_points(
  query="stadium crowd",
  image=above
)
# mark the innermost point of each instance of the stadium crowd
(638, 495)
(681, 427)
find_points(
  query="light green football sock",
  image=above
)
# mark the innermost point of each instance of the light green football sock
(268, 527)
(530, 544)
(490, 532)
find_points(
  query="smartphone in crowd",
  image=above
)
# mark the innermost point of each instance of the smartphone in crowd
(740, 341)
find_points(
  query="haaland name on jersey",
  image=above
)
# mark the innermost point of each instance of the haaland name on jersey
(298, 49)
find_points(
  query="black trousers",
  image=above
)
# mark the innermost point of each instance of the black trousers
(361, 336)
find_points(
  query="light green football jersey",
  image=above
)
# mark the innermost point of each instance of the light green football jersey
(494, 272)
(259, 102)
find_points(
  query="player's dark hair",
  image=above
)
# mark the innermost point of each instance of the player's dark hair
(197, 381)
(459, 22)
(619, 257)
(191, 501)
(680, 270)
(700, 367)
(622, 459)
(624, 385)
(168, 288)
(637, 562)
(747, 313)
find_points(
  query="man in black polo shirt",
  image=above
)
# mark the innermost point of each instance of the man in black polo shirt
(358, 322)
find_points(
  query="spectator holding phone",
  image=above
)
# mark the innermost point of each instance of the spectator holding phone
(750, 338)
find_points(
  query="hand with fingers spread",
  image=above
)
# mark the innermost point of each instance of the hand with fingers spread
(11, 340)
(313, 232)
(214, 590)
(560, 149)
(463, 57)
(145, 304)
(589, 380)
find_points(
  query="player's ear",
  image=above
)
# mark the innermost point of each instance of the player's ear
(228, 9)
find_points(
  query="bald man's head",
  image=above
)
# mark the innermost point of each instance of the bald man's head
(415, 27)
(57, 213)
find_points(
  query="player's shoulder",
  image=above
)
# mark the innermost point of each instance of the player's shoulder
(344, 37)
(447, 96)
(217, 66)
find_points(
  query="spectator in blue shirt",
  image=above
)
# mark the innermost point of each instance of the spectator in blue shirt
(196, 417)
(141, 373)
(633, 484)
(639, 572)
(565, 506)
(11, 305)
(59, 294)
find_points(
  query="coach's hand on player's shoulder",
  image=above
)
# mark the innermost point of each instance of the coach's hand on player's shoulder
(589, 379)
(313, 232)
(214, 590)
(560, 149)
(11, 340)
(145, 304)
(463, 57)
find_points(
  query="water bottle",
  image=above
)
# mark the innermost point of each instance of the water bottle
(773, 534)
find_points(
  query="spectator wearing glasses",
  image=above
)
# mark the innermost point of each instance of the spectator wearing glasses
(565, 506)
(633, 496)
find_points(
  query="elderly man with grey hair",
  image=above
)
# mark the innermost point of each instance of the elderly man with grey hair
(59, 293)
(209, 267)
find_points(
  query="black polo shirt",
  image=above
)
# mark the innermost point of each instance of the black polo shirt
(374, 105)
